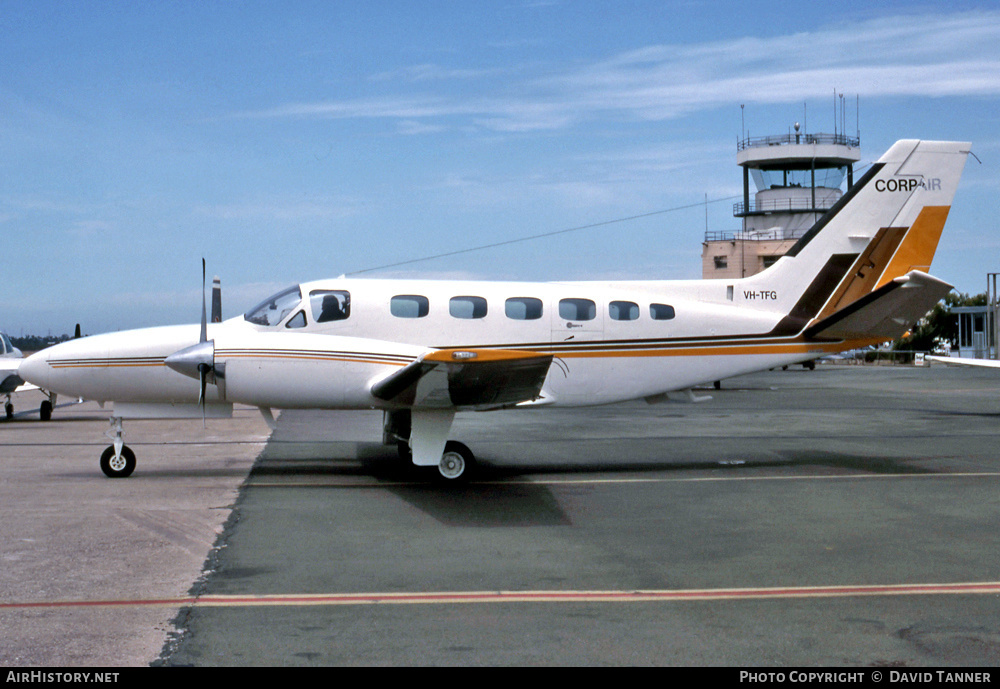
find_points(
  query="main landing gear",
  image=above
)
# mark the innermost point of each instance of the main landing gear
(118, 460)
(44, 410)
(457, 462)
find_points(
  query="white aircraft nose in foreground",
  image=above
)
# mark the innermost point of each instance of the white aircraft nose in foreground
(423, 350)
(10, 361)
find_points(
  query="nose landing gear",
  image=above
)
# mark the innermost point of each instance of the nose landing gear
(118, 460)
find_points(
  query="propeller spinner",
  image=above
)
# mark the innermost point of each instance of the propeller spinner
(198, 361)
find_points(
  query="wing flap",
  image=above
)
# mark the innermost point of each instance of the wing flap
(466, 379)
(885, 313)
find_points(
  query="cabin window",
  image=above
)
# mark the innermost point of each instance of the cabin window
(661, 312)
(330, 305)
(273, 310)
(577, 309)
(297, 321)
(523, 308)
(623, 310)
(467, 307)
(409, 306)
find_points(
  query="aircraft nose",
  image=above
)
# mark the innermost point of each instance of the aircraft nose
(36, 370)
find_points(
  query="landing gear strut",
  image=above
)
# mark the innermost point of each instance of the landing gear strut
(118, 460)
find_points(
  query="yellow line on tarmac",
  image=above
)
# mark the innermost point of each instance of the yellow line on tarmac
(495, 597)
(298, 483)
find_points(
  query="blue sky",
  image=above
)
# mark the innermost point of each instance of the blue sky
(288, 141)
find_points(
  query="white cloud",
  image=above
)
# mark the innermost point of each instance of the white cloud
(919, 55)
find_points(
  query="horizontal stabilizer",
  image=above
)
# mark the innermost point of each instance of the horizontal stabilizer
(466, 378)
(887, 312)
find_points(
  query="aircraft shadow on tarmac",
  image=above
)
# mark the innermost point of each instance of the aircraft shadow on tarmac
(496, 497)
(382, 463)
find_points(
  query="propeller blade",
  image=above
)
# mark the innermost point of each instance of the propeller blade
(203, 371)
(203, 381)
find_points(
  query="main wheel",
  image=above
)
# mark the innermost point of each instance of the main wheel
(457, 463)
(45, 410)
(9, 410)
(122, 467)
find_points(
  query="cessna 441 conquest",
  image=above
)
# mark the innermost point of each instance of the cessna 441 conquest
(422, 350)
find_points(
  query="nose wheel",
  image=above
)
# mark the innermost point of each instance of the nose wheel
(118, 460)
(118, 465)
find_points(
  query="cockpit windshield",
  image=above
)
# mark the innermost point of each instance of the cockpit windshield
(273, 310)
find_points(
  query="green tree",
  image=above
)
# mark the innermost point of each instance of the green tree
(938, 323)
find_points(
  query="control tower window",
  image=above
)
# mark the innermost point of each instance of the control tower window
(831, 178)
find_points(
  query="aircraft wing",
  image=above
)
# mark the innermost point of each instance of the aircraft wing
(885, 313)
(466, 379)
(9, 380)
(960, 361)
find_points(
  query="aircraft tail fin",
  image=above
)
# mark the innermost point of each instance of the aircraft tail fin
(887, 226)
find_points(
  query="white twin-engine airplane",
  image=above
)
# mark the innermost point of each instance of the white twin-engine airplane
(10, 381)
(422, 350)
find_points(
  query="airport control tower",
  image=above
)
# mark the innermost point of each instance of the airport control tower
(798, 178)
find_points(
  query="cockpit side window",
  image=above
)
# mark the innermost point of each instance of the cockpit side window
(330, 305)
(5, 344)
(273, 310)
(297, 321)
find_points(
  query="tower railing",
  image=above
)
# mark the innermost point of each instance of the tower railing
(789, 139)
(778, 205)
